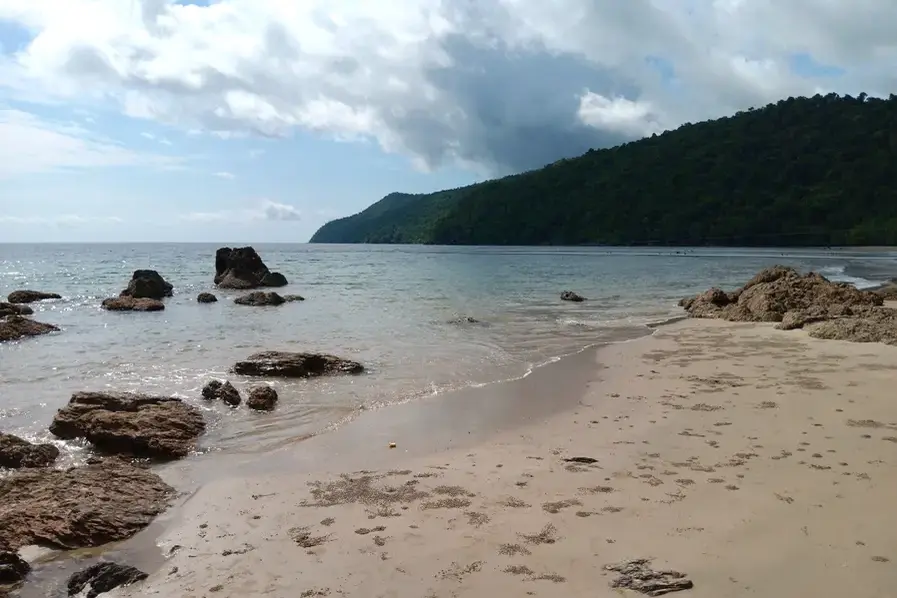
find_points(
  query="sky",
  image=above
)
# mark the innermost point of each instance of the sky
(260, 120)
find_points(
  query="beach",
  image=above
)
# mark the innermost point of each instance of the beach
(752, 460)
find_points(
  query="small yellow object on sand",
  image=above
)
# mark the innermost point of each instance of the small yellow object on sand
(392, 445)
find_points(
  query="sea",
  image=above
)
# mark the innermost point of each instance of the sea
(425, 321)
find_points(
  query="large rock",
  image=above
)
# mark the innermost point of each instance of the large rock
(148, 284)
(13, 569)
(132, 304)
(206, 298)
(262, 398)
(224, 391)
(242, 268)
(131, 424)
(30, 296)
(15, 327)
(101, 578)
(13, 309)
(86, 506)
(260, 298)
(16, 452)
(871, 325)
(295, 365)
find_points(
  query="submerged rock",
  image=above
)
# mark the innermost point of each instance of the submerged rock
(132, 304)
(102, 502)
(222, 390)
(15, 327)
(259, 298)
(295, 365)
(242, 268)
(465, 320)
(262, 398)
(13, 309)
(17, 452)
(25, 296)
(131, 424)
(13, 569)
(101, 578)
(148, 284)
(291, 298)
(206, 298)
(571, 296)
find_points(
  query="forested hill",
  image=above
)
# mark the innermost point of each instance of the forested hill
(803, 171)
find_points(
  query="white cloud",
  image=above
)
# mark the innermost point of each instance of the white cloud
(264, 210)
(33, 145)
(155, 138)
(497, 83)
(225, 175)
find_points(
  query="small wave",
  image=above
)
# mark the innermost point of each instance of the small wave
(838, 274)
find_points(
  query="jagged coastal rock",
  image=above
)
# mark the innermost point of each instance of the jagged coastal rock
(17, 452)
(242, 268)
(15, 327)
(131, 424)
(262, 398)
(206, 298)
(148, 284)
(132, 304)
(101, 578)
(225, 391)
(283, 364)
(13, 569)
(25, 296)
(13, 309)
(571, 296)
(102, 502)
(260, 298)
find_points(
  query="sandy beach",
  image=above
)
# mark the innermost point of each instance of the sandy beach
(752, 460)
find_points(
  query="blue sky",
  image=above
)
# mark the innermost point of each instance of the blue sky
(258, 120)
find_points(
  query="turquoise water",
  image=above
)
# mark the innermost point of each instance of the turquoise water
(387, 306)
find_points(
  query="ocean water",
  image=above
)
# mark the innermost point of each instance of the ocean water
(389, 307)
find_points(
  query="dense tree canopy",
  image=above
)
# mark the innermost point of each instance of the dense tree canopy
(803, 171)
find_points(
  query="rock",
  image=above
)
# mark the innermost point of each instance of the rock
(259, 298)
(875, 325)
(12, 309)
(147, 284)
(206, 298)
(571, 296)
(101, 578)
(224, 391)
(30, 296)
(15, 327)
(638, 576)
(242, 268)
(130, 423)
(295, 365)
(16, 452)
(887, 291)
(462, 320)
(13, 568)
(132, 304)
(86, 506)
(291, 298)
(262, 398)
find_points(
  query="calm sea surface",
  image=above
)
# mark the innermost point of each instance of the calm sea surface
(389, 307)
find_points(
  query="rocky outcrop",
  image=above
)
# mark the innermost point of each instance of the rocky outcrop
(242, 268)
(148, 284)
(13, 309)
(262, 398)
(887, 291)
(30, 296)
(16, 452)
(875, 325)
(16, 327)
(13, 569)
(131, 424)
(105, 501)
(101, 578)
(571, 296)
(206, 298)
(774, 292)
(132, 304)
(260, 298)
(224, 391)
(283, 364)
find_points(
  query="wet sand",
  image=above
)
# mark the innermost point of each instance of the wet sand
(756, 461)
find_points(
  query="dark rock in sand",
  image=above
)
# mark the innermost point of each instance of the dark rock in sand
(221, 390)
(132, 304)
(260, 298)
(16, 452)
(86, 506)
(637, 575)
(13, 309)
(30, 296)
(15, 327)
(148, 284)
(291, 298)
(101, 578)
(206, 298)
(131, 424)
(571, 296)
(295, 365)
(242, 268)
(13, 568)
(262, 398)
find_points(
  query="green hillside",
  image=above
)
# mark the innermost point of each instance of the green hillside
(803, 171)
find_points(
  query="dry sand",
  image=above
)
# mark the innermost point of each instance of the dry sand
(756, 461)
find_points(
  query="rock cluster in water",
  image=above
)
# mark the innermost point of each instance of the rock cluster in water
(284, 364)
(259, 298)
(224, 391)
(242, 268)
(17, 452)
(144, 292)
